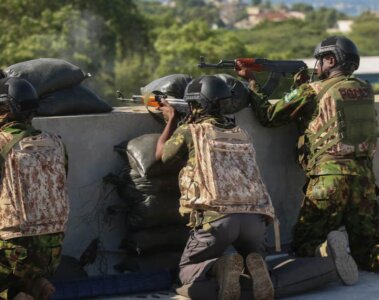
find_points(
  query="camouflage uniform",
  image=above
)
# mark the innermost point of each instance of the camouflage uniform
(339, 190)
(26, 257)
(212, 232)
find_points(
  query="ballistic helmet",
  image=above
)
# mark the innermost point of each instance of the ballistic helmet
(208, 91)
(344, 50)
(20, 95)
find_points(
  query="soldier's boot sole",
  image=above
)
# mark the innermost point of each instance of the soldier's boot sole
(228, 270)
(262, 285)
(346, 267)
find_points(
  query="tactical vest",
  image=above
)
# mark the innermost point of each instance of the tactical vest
(226, 177)
(33, 196)
(346, 122)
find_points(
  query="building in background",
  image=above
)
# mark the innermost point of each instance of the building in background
(257, 14)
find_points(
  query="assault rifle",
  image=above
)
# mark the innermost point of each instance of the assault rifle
(154, 100)
(258, 65)
(276, 68)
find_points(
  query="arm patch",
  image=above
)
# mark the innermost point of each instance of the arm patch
(289, 96)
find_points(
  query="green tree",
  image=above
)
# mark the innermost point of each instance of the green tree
(92, 34)
(302, 7)
(281, 40)
(365, 33)
(324, 17)
(189, 10)
(179, 48)
(134, 72)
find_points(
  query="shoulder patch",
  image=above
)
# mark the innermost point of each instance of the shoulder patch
(289, 96)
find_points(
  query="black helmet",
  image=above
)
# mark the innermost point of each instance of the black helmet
(344, 50)
(20, 95)
(208, 91)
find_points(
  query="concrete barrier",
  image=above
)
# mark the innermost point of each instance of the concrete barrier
(90, 139)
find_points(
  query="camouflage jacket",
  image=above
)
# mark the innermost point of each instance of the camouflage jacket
(300, 106)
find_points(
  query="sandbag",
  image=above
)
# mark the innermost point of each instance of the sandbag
(133, 188)
(240, 98)
(155, 211)
(152, 262)
(140, 155)
(74, 101)
(172, 85)
(47, 74)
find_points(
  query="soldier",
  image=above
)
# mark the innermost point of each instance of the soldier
(33, 200)
(338, 130)
(221, 188)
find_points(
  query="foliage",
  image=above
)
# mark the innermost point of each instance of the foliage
(326, 17)
(365, 33)
(302, 7)
(281, 40)
(190, 10)
(125, 44)
(134, 72)
(91, 34)
(179, 48)
(184, 11)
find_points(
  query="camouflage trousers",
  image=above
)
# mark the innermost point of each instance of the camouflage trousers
(28, 258)
(332, 201)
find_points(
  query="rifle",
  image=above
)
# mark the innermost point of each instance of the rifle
(155, 100)
(258, 65)
(277, 68)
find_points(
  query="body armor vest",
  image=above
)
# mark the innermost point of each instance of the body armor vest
(33, 196)
(226, 177)
(346, 122)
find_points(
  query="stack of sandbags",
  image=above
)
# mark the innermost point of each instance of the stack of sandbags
(174, 86)
(155, 233)
(58, 84)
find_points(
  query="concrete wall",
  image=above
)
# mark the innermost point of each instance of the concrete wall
(90, 139)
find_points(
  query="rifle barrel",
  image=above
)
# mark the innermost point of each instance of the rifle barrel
(222, 64)
(133, 99)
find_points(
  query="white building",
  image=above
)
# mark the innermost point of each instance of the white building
(343, 26)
